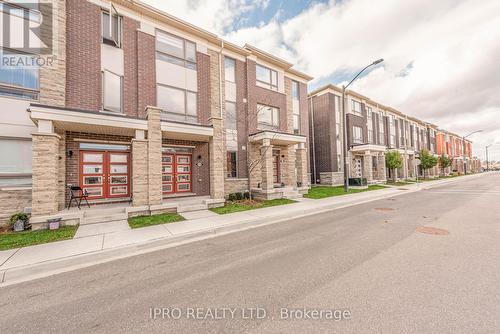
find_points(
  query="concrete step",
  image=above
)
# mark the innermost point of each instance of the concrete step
(292, 195)
(105, 218)
(184, 207)
(97, 212)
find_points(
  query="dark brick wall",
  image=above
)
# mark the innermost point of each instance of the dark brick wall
(201, 175)
(324, 133)
(130, 66)
(304, 116)
(83, 55)
(146, 74)
(355, 120)
(203, 69)
(259, 95)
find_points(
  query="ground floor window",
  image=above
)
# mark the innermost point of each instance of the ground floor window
(231, 165)
(15, 162)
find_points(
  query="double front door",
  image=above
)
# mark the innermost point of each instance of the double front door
(105, 174)
(176, 172)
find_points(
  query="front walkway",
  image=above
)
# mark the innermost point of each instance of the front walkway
(88, 248)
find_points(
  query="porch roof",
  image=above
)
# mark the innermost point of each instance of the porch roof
(277, 138)
(186, 131)
(79, 120)
(368, 148)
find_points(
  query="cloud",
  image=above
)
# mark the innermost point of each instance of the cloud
(441, 57)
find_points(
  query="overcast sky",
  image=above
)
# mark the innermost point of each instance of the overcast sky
(442, 57)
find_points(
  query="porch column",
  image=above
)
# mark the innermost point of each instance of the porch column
(45, 162)
(266, 151)
(139, 169)
(405, 166)
(381, 167)
(368, 167)
(217, 159)
(61, 179)
(154, 156)
(288, 171)
(301, 163)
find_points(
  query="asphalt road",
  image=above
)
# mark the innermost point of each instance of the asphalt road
(366, 265)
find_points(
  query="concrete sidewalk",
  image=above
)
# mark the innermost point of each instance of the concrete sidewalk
(113, 243)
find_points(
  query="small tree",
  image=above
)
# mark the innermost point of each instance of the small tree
(444, 162)
(393, 161)
(427, 160)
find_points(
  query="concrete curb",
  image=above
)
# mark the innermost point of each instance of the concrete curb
(21, 274)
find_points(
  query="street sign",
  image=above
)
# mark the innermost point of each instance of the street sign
(417, 162)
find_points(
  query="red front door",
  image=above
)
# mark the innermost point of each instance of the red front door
(176, 172)
(105, 174)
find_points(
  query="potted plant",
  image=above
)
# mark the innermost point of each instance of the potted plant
(19, 222)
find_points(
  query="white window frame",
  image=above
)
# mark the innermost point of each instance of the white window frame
(268, 85)
(355, 138)
(229, 59)
(17, 175)
(275, 121)
(103, 101)
(185, 113)
(354, 111)
(116, 37)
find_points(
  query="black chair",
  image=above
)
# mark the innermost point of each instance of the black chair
(78, 195)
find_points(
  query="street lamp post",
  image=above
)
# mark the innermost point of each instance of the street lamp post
(344, 119)
(463, 148)
(487, 161)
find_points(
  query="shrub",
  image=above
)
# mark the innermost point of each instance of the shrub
(246, 195)
(232, 197)
(239, 196)
(20, 216)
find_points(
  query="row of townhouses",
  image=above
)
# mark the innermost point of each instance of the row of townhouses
(139, 108)
(372, 130)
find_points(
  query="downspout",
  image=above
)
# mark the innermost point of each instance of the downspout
(313, 140)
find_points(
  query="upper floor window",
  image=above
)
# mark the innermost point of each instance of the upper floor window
(231, 115)
(268, 118)
(369, 113)
(356, 107)
(112, 91)
(111, 28)
(230, 69)
(266, 77)
(175, 50)
(357, 134)
(295, 90)
(177, 104)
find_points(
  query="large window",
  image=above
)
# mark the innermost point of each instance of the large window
(267, 78)
(18, 80)
(381, 129)
(112, 91)
(177, 104)
(15, 166)
(111, 29)
(295, 90)
(175, 50)
(357, 134)
(356, 108)
(231, 115)
(267, 118)
(229, 69)
(231, 170)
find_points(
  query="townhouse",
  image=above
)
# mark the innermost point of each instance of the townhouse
(459, 151)
(141, 108)
(372, 130)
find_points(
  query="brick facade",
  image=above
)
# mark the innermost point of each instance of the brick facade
(130, 89)
(83, 50)
(146, 74)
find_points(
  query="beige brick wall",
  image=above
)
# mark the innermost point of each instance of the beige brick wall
(13, 201)
(217, 157)
(154, 156)
(53, 78)
(235, 185)
(139, 172)
(289, 178)
(255, 165)
(302, 170)
(45, 174)
(61, 172)
(289, 105)
(331, 178)
(266, 164)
